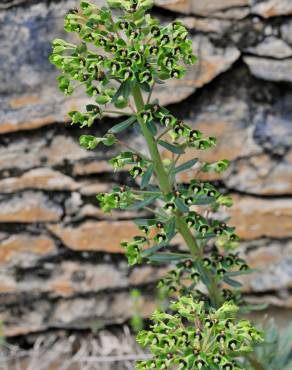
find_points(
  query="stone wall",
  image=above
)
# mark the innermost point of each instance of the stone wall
(61, 264)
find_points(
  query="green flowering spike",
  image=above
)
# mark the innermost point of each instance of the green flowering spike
(121, 58)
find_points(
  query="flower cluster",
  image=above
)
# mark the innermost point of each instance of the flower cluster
(185, 276)
(191, 337)
(120, 197)
(133, 48)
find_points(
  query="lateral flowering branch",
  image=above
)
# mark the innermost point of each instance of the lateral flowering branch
(122, 55)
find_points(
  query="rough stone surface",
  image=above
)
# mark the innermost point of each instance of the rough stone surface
(270, 70)
(96, 236)
(273, 263)
(271, 47)
(207, 7)
(61, 261)
(255, 218)
(272, 8)
(24, 249)
(71, 313)
(39, 178)
(29, 207)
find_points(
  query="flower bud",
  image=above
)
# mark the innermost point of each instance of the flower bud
(153, 50)
(155, 31)
(203, 229)
(227, 366)
(221, 272)
(232, 345)
(189, 201)
(170, 206)
(164, 40)
(123, 25)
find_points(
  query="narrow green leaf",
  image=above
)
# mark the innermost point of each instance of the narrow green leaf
(143, 203)
(204, 200)
(123, 125)
(180, 205)
(152, 250)
(170, 229)
(172, 148)
(147, 177)
(168, 257)
(123, 90)
(185, 166)
(231, 282)
(240, 272)
(142, 221)
(203, 272)
(151, 127)
(145, 87)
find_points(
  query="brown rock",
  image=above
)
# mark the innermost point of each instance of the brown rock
(39, 178)
(93, 188)
(90, 210)
(257, 217)
(81, 169)
(272, 8)
(96, 236)
(270, 70)
(20, 248)
(29, 207)
(204, 8)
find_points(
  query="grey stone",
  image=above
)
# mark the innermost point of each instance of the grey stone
(286, 31)
(29, 207)
(271, 47)
(204, 8)
(270, 70)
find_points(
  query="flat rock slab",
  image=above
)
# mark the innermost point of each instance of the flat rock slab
(272, 8)
(199, 7)
(270, 70)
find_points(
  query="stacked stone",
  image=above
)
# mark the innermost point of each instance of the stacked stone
(61, 263)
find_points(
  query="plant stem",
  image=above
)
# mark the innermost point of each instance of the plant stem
(152, 146)
(166, 188)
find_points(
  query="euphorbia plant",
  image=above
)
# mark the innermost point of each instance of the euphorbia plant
(122, 55)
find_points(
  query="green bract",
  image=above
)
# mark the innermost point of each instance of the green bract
(122, 55)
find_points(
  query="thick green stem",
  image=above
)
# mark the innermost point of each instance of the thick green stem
(166, 188)
(152, 146)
